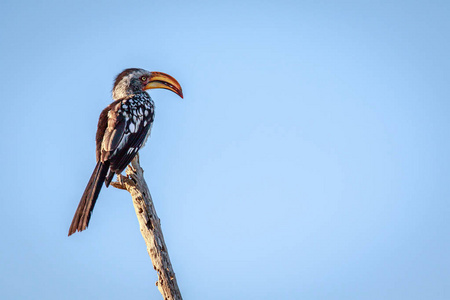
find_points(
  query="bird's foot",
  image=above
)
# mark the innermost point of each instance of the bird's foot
(120, 183)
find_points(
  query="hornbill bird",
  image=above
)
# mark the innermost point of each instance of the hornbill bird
(123, 129)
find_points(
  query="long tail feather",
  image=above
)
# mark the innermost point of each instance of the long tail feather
(86, 206)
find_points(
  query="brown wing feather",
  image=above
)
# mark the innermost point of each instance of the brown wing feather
(103, 123)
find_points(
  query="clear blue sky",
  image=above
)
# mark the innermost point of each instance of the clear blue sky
(308, 160)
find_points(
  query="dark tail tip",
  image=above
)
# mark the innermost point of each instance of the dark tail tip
(84, 210)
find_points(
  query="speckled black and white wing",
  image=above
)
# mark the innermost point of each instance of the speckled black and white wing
(128, 123)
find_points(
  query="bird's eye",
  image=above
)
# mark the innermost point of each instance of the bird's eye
(143, 78)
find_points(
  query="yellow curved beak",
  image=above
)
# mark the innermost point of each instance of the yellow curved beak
(159, 80)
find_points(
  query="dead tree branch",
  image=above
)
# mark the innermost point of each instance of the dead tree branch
(150, 226)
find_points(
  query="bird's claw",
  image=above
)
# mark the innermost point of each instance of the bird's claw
(120, 183)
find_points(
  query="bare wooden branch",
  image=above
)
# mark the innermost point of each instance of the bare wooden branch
(150, 226)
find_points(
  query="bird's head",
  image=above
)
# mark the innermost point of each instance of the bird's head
(133, 81)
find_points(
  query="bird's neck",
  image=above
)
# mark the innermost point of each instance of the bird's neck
(126, 88)
(120, 93)
(130, 94)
